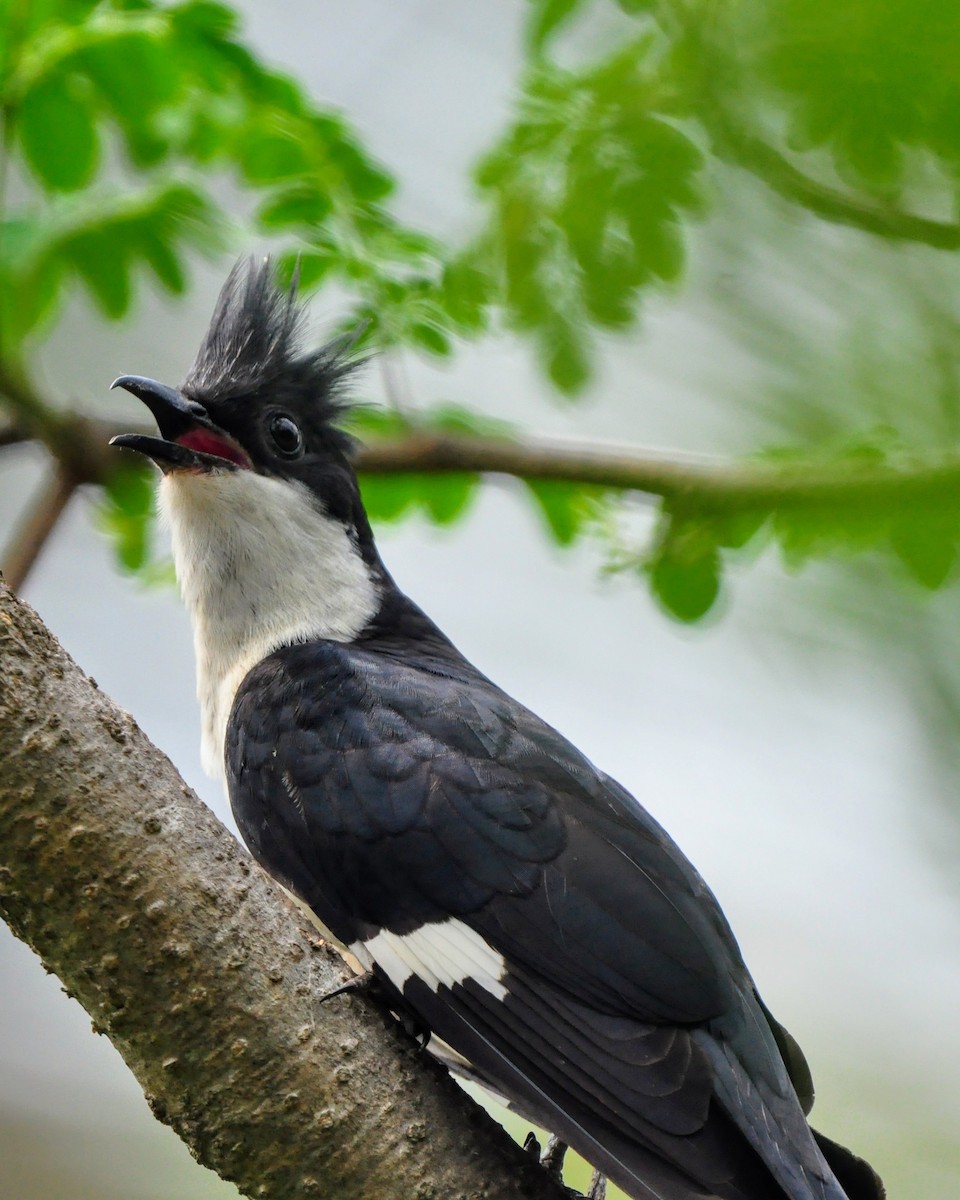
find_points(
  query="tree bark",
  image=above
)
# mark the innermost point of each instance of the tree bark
(197, 968)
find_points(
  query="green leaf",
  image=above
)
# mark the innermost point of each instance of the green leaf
(311, 267)
(873, 83)
(157, 573)
(389, 497)
(454, 418)
(101, 262)
(269, 156)
(547, 17)
(132, 73)
(684, 567)
(466, 291)
(55, 122)
(447, 497)
(687, 588)
(562, 505)
(928, 546)
(163, 260)
(589, 188)
(735, 530)
(107, 239)
(30, 276)
(32, 300)
(565, 355)
(525, 251)
(367, 422)
(204, 16)
(130, 491)
(368, 181)
(301, 205)
(431, 338)
(126, 515)
(135, 75)
(444, 498)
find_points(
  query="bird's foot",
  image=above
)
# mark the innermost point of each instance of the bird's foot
(370, 984)
(551, 1158)
(414, 1027)
(359, 983)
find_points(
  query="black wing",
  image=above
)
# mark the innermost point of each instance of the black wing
(532, 913)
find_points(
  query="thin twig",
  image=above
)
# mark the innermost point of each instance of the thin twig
(37, 527)
(11, 435)
(80, 443)
(698, 484)
(773, 169)
(693, 483)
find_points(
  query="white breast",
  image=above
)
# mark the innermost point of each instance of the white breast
(259, 566)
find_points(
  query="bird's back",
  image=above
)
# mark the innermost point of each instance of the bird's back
(526, 907)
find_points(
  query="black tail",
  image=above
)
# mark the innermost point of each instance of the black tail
(857, 1178)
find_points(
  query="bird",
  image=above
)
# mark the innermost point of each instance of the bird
(517, 903)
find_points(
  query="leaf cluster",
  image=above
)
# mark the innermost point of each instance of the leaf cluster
(122, 119)
(697, 545)
(589, 190)
(122, 116)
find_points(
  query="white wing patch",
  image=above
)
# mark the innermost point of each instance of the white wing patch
(445, 952)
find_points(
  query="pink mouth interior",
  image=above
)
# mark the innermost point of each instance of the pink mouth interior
(207, 442)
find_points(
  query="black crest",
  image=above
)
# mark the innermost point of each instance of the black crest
(253, 347)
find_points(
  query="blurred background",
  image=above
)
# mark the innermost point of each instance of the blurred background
(727, 237)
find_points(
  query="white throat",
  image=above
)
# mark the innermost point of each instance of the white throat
(259, 566)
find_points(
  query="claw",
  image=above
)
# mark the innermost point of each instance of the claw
(359, 983)
(413, 1027)
(370, 984)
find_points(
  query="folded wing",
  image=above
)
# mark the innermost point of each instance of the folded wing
(529, 910)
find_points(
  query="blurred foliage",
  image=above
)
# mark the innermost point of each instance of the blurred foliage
(123, 116)
(588, 188)
(793, 166)
(443, 499)
(121, 121)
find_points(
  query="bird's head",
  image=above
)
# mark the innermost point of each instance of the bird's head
(253, 401)
(270, 539)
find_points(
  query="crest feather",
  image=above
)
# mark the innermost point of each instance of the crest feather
(252, 347)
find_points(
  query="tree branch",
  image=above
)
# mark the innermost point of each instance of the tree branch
(719, 81)
(693, 484)
(195, 965)
(773, 169)
(697, 484)
(77, 442)
(37, 527)
(11, 435)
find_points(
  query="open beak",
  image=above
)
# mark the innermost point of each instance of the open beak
(189, 440)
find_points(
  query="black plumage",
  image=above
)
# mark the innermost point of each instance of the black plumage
(389, 792)
(532, 914)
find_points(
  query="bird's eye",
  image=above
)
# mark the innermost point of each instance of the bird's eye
(286, 436)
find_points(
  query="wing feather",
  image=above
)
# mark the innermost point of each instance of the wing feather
(394, 799)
